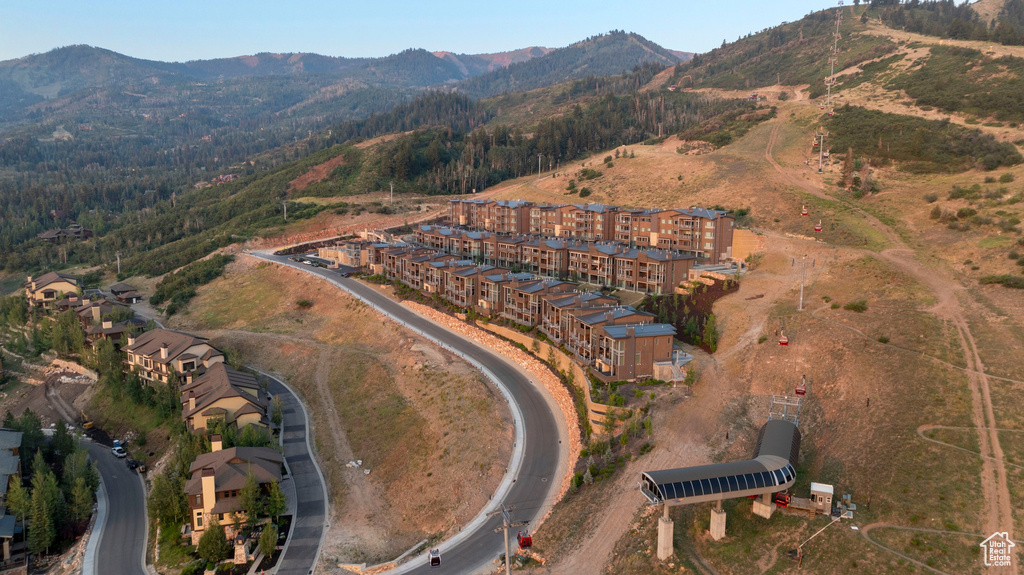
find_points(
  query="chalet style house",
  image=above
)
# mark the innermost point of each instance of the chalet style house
(47, 289)
(226, 394)
(218, 477)
(154, 354)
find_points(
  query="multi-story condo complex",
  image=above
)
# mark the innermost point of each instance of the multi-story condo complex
(704, 233)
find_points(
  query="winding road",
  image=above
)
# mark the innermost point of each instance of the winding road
(120, 532)
(533, 488)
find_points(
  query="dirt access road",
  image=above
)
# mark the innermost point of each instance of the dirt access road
(998, 515)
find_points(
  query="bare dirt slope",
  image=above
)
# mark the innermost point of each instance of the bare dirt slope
(431, 432)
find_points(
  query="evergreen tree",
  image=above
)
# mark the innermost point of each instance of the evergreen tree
(268, 540)
(19, 501)
(167, 500)
(213, 544)
(81, 500)
(66, 335)
(276, 502)
(252, 500)
(61, 444)
(42, 532)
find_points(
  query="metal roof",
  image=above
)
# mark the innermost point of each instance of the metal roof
(772, 469)
(640, 330)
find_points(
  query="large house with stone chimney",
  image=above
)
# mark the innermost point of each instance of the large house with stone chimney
(218, 477)
(46, 290)
(156, 353)
(226, 394)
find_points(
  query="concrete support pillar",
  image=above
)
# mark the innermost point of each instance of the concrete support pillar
(665, 533)
(718, 522)
(764, 507)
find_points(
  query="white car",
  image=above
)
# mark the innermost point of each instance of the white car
(119, 452)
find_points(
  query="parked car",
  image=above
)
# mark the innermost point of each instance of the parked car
(131, 463)
(119, 451)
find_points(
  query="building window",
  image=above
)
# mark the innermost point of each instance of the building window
(199, 499)
(199, 519)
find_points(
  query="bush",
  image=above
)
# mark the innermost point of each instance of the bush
(835, 305)
(936, 213)
(1005, 280)
(966, 212)
(883, 339)
(859, 306)
(931, 198)
(589, 174)
(584, 192)
(304, 303)
(1006, 178)
(213, 545)
(762, 339)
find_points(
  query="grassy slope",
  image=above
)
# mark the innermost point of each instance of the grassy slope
(418, 420)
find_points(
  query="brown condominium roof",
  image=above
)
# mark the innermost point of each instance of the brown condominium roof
(231, 465)
(150, 343)
(219, 382)
(49, 278)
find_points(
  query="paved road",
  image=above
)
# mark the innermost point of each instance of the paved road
(311, 506)
(122, 537)
(537, 481)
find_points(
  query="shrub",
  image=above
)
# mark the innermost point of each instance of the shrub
(304, 303)
(883, 339)
(1006, 178)
(213, 545)
(931, 198)
(1005, 280)
(608, 159)
(936, 213)
(1013, 255)
(859, 306)
(762, 339)
(966, 212)
(589, 174)
(835, 305)
(585, 192)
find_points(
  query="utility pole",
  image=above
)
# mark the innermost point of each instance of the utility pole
(285, 204)
(392, 192)
(803, 261)
(506, 524)
(118, 254)
(821, 150)
(538, 165)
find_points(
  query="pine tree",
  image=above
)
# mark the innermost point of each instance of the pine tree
(213, 545)
(268, 540)
(251, 500)
(276, 502)
(42, 532)
(81, 500)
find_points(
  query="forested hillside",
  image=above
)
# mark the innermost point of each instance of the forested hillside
(948, 19)
(603, 55)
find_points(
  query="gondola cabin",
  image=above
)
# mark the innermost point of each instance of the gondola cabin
(782, 498)
(435, 558)
(525, 539)
(817, 227)
(803, 211)
(783, 339)
(801, 388)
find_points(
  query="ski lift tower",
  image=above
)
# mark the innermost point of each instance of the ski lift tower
(786, 408)
(803, 261)
(833, 59)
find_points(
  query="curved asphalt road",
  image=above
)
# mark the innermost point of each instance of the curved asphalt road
(122, 537)
(309, 521)
(537, 480)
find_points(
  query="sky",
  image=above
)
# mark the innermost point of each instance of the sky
(179, 30)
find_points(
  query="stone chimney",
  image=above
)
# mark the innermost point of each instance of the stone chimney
(30, 280)
(107, 324)
(131, 339)
(215, 442)
(86, 301)
(609, 317)
(97, 313)
(163, 351)
(192, 401)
